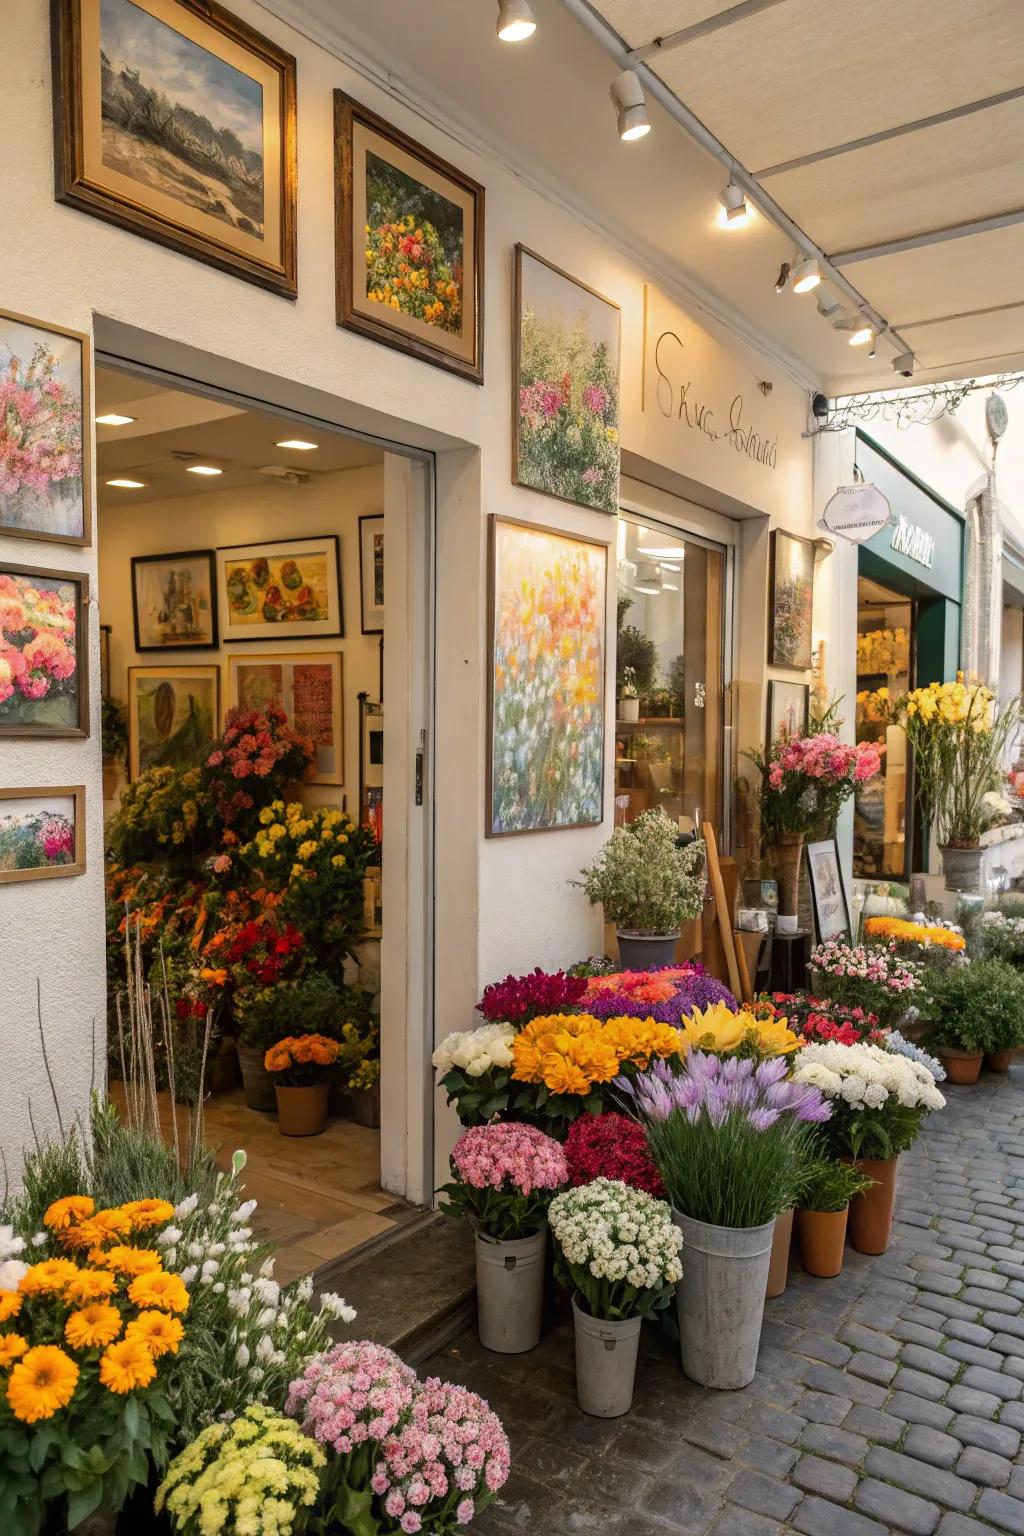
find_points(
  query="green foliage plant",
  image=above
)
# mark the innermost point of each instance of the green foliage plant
(829, 1185)
(644, 881)
(979, 1007)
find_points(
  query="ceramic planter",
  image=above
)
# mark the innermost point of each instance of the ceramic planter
(605, 1363)
(871, 1213)
(302, 1111)
(823, 1241)
(256, 1080)
(641, 951)
(509, 1291)
(629, 709)
(999, 1061)
(778, 1269)
(720, 1300)
(962, 869)
(961, 1066)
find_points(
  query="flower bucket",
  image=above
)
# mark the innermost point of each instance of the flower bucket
(962, 868)
(823, 1241)
(720, 1300)
(256, 1080)
(364, 1106)
(605, 1363)
(788, 852)
(871, 1213)
(998, 1061)
(778, 1269)
(302, 1111)
(642, 951)
(962, 1067)
(510, 1291)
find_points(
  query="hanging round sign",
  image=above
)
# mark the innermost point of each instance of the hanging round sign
(856, 513)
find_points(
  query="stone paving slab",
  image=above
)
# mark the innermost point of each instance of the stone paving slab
(890, 1399)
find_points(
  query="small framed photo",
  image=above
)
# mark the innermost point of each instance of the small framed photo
(44, 660)
(173, 716)
(289, 589)
(42, 833)
(45, 431)
(174, 601)
(791, 600)
(409, 244)
(831, 909)
(371, 574)
(309, 690)
(788, 706)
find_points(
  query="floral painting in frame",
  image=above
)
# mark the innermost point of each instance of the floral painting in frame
(44, 687)
(45, 431)
(791, 600)
(173, 716)
(308, 687)
(788, 706)
(371, 574)
(174, 601)
(176, 119)
(42, 833)
(282, 589)
(546, 696)
(565, 396)
(410, 244)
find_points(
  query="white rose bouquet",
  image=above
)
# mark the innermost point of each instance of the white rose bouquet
(878, 1098)
(475, 1068)
(617, 1248)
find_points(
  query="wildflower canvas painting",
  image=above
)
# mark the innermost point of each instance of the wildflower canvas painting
(44, 440)
(43, 687)
(565, 387)
(547, 680)
(173, 715)
(791, 593)
(42, 833)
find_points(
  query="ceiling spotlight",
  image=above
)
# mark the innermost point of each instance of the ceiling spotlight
(861, 334)
(113, 419)
(735, 208)
(805, 275)
(128, 485)
(298, 443)
(783, 277)
(904, 365)
(628, 95)
(202, 469)
(516, 22)
(826, 303)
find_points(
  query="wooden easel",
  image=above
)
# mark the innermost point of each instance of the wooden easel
(721, 952)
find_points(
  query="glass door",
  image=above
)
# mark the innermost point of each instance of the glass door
(885, 650)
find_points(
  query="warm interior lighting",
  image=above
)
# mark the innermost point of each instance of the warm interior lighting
(735, 210)
(128, 485)
(631, 110)
(203, 469)
(516, 21)
(861, 336)
(805, 275)
(298, 443)
(113, 419)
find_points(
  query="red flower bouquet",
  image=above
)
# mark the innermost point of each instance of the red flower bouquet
(518, 999)
(250, 765)
(611, 1146)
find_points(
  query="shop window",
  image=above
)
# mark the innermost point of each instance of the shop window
(668, 672)
(885, 648)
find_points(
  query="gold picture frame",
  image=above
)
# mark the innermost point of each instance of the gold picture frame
(50, 802)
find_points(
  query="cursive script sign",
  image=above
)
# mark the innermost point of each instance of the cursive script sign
(676, 397)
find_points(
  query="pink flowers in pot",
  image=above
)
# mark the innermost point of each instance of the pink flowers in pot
(504, 1177)
(451, 1443)
(805, 779)
(351, 1394)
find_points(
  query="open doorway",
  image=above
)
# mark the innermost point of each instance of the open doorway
(242, 612)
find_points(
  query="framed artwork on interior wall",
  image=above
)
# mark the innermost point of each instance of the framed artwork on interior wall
(371, 574)
(42, 833)
(409, 244)
(289, 589)
(174, 601)
(546, 679)
(45, 431)
(44, 663)
(831, 909)
(565, 386)
(371, 765)
(788, 705)
(790, 600)
(176, 120)
(106, 630)
(173, 716)
(308, 687)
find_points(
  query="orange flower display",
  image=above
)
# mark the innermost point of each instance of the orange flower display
(570, 1053)
(68, 1212)
(158, 1289)
(129, 1261)
(127, 1365)
(10, 1305)
(42, 1382)
(90, 1285)
(907, 932)
(93, 1326)
(12, 1346)
(48, 1278)
(143, 1214)
(159, 1333)
(301, 1051)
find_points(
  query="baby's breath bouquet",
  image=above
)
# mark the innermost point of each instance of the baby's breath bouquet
(616, 1249)
(644, 881)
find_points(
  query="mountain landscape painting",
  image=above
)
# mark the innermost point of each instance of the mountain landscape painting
(180, 120)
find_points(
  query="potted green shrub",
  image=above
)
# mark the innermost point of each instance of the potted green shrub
(828, 1187)
(311, 1004)
(648, 887)
(979, 1011)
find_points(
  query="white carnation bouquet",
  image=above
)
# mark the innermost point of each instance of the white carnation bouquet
(617, 1248)
(878, 1098)
(475, 1069)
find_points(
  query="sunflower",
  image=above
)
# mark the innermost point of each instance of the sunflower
(48, 1278)
(90, 1285)
(11, 1346)
(160, 1334)
(10, 1305)
(93, 1326)
(147, 1213)
(130, 1261)
(43, 1381)
(68, 1212)
(158, 1289)
(126, 1365)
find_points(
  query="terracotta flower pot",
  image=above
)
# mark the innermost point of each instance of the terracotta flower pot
(999, 1061)
(788, 851)
(302, 1111)
(961, 1066)
(871, 1213)
(778, 1269)
(822, 1241)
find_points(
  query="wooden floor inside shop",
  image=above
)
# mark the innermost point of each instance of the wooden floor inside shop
(318, 1196)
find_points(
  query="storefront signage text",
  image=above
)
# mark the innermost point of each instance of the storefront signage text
(910, 540)
(856, 513)
(680, 401)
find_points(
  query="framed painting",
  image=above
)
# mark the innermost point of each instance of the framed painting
(42, 833)
(45, 431)
(565, 386)
(44, 662)
(790, 600)
(371, 766)
(371, 574)
(176, 120)
(174, 601)
(289, 589)
(788, 705)
(173, 716)
(831, 909)
(546, 679)
(409, 259)
(309, 690)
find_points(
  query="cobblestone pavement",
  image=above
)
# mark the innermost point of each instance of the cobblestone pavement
(889, 1399)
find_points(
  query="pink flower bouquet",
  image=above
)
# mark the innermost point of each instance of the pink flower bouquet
(872, 977)
(805, 780)
(504, 1176)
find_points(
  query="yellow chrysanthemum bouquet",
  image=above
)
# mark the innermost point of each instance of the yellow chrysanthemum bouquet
(563, 1063)
(85, 1334)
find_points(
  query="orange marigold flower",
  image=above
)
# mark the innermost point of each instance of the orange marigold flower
(68, 1212)
(147, 1213)
(93, 1326)
(10, 1305)
(11, 1346)
(42, 1382)
(131, 1261)
(112, 1222)
(90, 1285)
(158, 1289)
(159, 1333)
(48, 1278)
(126, 1365)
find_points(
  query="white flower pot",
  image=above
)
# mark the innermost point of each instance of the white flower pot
(605, 1363)
(720, 1300)
(629, 709)
(510, 1291)
(640, 951)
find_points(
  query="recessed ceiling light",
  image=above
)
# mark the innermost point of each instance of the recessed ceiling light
(202, 469)
(298, 443)
(128, 485)
(113, 419)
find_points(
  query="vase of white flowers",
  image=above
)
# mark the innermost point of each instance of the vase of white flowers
(629, 697)
(648, 886)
